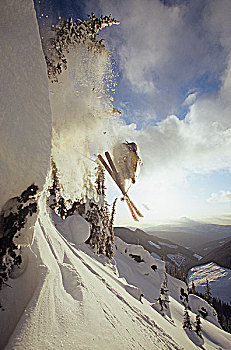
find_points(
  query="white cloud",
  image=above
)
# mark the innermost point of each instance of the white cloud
(166, 50)
(221, 197)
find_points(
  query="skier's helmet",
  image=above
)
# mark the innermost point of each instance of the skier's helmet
(132, 146)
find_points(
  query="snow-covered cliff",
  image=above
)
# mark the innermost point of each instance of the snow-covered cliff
(25, 113)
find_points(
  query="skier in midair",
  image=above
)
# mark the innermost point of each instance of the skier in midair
(127, 162)
(123, 169)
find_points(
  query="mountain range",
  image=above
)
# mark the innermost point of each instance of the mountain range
(190, 233)
(192, 254)
(160, 247)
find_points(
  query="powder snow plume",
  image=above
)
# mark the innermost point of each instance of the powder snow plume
(83, 115)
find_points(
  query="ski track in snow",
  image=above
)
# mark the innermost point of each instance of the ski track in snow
(144, 320)
(80, 293)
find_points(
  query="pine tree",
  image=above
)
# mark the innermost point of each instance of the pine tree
(208, 294)
(175, 271)
(184, 297)
(198, 325)
(102, 235)
(183, 275)
(186, 321)
(56, 200)
(163, 298)
(193, 288)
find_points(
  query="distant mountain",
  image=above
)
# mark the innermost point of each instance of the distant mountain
(203, 249)
(220, 256)
(157, 247)
(185, 239)
(188, 232)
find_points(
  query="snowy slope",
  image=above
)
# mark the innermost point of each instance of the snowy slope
(219, 279)
(25, 116)
(67, 297)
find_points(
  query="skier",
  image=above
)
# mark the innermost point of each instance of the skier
(123, 170)
(127, 162)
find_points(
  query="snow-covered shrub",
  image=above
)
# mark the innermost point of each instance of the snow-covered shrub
(75, 228)
(14, 219)
(137, 258)
(206, 311)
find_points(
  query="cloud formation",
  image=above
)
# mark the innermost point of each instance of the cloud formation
(166, 51)
(221, 197)
(179, 44)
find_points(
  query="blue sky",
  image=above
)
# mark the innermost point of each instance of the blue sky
(174, 86)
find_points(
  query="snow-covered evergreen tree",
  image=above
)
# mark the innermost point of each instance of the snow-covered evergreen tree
(67, 34)
(96, 212)
(163, 298)
(186, 320)
(184, 297)
(193, 288)
(208, 294)
(56, 200)
(198, 325)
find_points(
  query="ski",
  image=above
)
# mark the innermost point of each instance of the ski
(111, 169)
(115, 172)
(135, 208)
(131, 209)
(111, 163)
